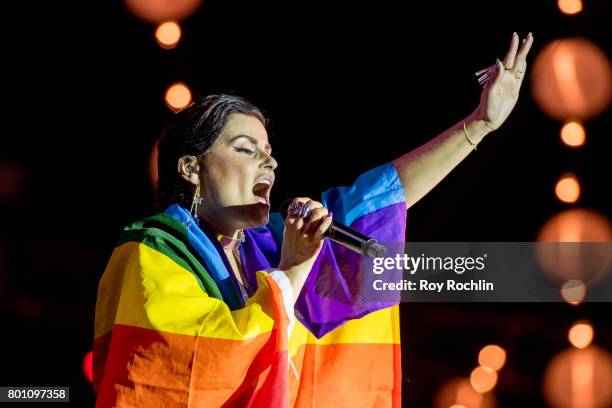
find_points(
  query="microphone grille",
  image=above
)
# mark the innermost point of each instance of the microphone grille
(373, 249)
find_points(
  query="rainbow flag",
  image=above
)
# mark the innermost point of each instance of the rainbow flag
(173, 328)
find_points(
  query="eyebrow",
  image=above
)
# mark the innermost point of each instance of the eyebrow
(252, 140)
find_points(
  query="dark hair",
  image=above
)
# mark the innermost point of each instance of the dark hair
(193, 131)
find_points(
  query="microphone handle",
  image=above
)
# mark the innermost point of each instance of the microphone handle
(354, 240)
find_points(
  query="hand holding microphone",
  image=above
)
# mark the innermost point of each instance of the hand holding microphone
(302, 209)
(302, 240)
(303, 236)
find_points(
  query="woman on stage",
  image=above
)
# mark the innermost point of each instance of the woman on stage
(216, 302)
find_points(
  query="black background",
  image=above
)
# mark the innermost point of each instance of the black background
(347, 86)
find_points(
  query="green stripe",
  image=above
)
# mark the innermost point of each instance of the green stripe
(166, 235)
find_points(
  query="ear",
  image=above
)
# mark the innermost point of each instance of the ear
(189, 169)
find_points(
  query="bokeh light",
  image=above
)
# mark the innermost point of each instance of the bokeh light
(168, 34)
(492, 356)
(570, 78)
(483, 379)
(579, 378)
(178, 96)
(573, 292)
(573, 134)
(88, 366)
(567, 188)
(576, 225)
(581, 334)
(567, 247)
(459, 392)
(570, 6)
(153, 167)
(157, 11)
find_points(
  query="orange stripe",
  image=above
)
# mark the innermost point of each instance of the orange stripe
(347, 375)
(150, 368)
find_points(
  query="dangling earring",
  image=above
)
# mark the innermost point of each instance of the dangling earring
(197, 200)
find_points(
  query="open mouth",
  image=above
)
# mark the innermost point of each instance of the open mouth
(261, 189)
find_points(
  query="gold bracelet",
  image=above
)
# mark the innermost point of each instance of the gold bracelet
(468, 138)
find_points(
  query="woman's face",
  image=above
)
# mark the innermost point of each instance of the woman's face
(237, 175)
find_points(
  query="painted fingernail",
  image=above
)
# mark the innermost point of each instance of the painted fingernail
(331, 214)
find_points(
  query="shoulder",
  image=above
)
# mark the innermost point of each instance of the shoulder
(160, 233)
(160, 228)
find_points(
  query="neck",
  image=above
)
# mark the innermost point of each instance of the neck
(229, 238)
(230, 243)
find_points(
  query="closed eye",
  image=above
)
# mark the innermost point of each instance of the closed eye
(244, 150)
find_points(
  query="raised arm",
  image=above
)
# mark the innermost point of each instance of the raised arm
(421, 169)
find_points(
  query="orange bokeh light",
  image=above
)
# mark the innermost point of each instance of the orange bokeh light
(492, 356)
(573, 134)
(459, 393)
(571, 78)
(573, 292)
(579, 378)
(178, 96)
(567, 248)
(568, 188)
(483, 379)
(570, 6)
(581, 334)
(153, 167)
(576, 225)
(156, 11)
(168, 34)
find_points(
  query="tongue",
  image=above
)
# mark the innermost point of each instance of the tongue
(259, 191)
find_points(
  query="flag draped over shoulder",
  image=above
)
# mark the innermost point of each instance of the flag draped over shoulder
(173, 328)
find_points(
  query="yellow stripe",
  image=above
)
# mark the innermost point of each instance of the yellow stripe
(150, 290)
(379, 327)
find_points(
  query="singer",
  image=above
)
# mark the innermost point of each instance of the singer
(215, 301)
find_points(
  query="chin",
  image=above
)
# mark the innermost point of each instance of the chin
(262, 217)
(258, 216)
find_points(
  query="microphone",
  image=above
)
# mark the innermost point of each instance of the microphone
(346, 236)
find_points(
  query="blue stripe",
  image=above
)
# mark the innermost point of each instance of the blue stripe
(373, 190)
(209, 255)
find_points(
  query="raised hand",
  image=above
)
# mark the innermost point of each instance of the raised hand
(502, 83)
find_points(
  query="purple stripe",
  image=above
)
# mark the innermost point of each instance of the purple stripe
(336, 289)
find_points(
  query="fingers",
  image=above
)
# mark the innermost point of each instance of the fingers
(483, 76)
(314, 224)
(301, 212)
(520, 65)
(314, 220)
(525, 47)
(511, 54)
(324, 226)
(293, 219)
(498, 73)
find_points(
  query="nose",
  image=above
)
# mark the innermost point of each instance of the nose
(269, 162)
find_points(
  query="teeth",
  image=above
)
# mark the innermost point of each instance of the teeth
(264, 181)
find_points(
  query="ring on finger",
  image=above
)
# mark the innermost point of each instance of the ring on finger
(295, 208)
(305, 211)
